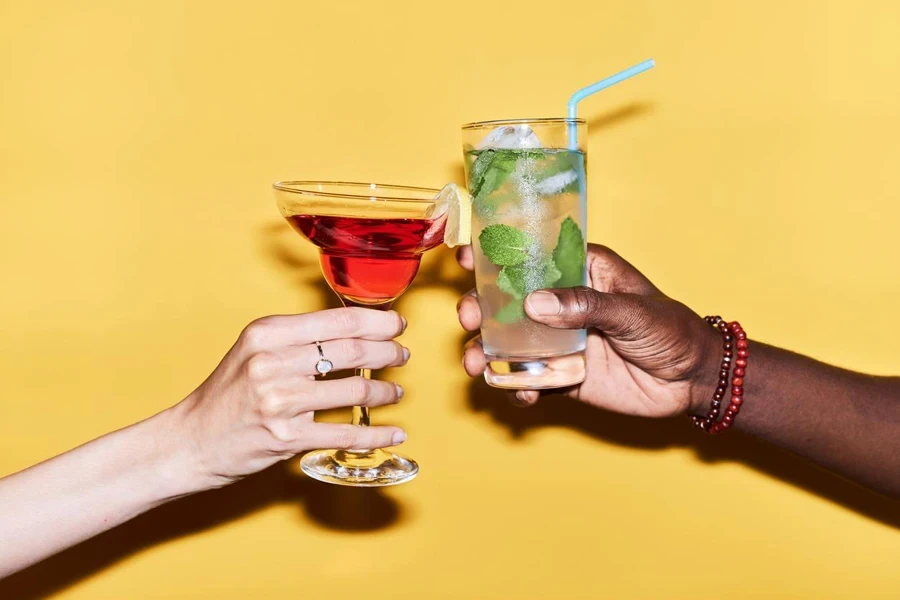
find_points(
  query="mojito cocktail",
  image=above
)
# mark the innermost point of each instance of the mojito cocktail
(528, 188)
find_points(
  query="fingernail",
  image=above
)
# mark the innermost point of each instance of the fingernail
(399, 391)
(521, 396)
(399, 437)
(403, 321)
(543, 303)
(405, 353)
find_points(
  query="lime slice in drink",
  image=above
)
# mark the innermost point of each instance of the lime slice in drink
(457, 204)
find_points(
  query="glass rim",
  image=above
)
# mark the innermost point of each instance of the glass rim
(536, 120)
(380, 191)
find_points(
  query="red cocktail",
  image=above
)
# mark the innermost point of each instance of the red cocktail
(371, 239)
(367, 261)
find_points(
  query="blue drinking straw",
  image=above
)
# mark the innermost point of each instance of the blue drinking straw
(596, 87)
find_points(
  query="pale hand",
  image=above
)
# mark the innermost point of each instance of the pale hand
(257, 407)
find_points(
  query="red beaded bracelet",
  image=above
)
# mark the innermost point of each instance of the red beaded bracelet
(735, 342)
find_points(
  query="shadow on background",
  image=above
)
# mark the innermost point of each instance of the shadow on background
(329, 506)
(657, 434)
(283, 247)
(612, 118)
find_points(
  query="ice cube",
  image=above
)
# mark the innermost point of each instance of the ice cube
(511, 137)
(556, 183)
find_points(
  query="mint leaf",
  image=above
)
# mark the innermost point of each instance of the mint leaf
(551, 163)
(493, 166)
(488, 172)
(504, 245)
(498, 171)
(519, 281)
(552, 275)
(512, 281)
(480, 164)
(569, 255)
(545, 171)
(512, 312)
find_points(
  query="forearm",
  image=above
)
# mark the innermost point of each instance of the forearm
(74, 496)
(847, 422)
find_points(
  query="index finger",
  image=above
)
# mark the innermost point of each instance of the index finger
(324, 325)
(465, 258)
(609, 272)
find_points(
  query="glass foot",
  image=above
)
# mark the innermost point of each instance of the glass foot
(359, 468)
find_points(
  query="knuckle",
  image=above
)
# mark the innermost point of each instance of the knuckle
(255, 334)
(352, 349)
(604, 257)
(346, 320)
(261, 366)
(583, 304)
(346, 439)
(270, 405)
(358, 389)
(280, 432)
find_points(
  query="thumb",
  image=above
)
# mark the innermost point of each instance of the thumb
(583, 307)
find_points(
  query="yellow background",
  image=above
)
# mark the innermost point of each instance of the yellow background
(753, 173)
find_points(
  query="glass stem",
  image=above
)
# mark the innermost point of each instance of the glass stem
(361, 413)
(360, 416)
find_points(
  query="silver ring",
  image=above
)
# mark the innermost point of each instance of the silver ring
(324, 365)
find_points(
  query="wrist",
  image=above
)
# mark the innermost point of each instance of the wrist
(170, 461)
(706, 379)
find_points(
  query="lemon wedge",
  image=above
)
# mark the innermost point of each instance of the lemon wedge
(457, 204)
